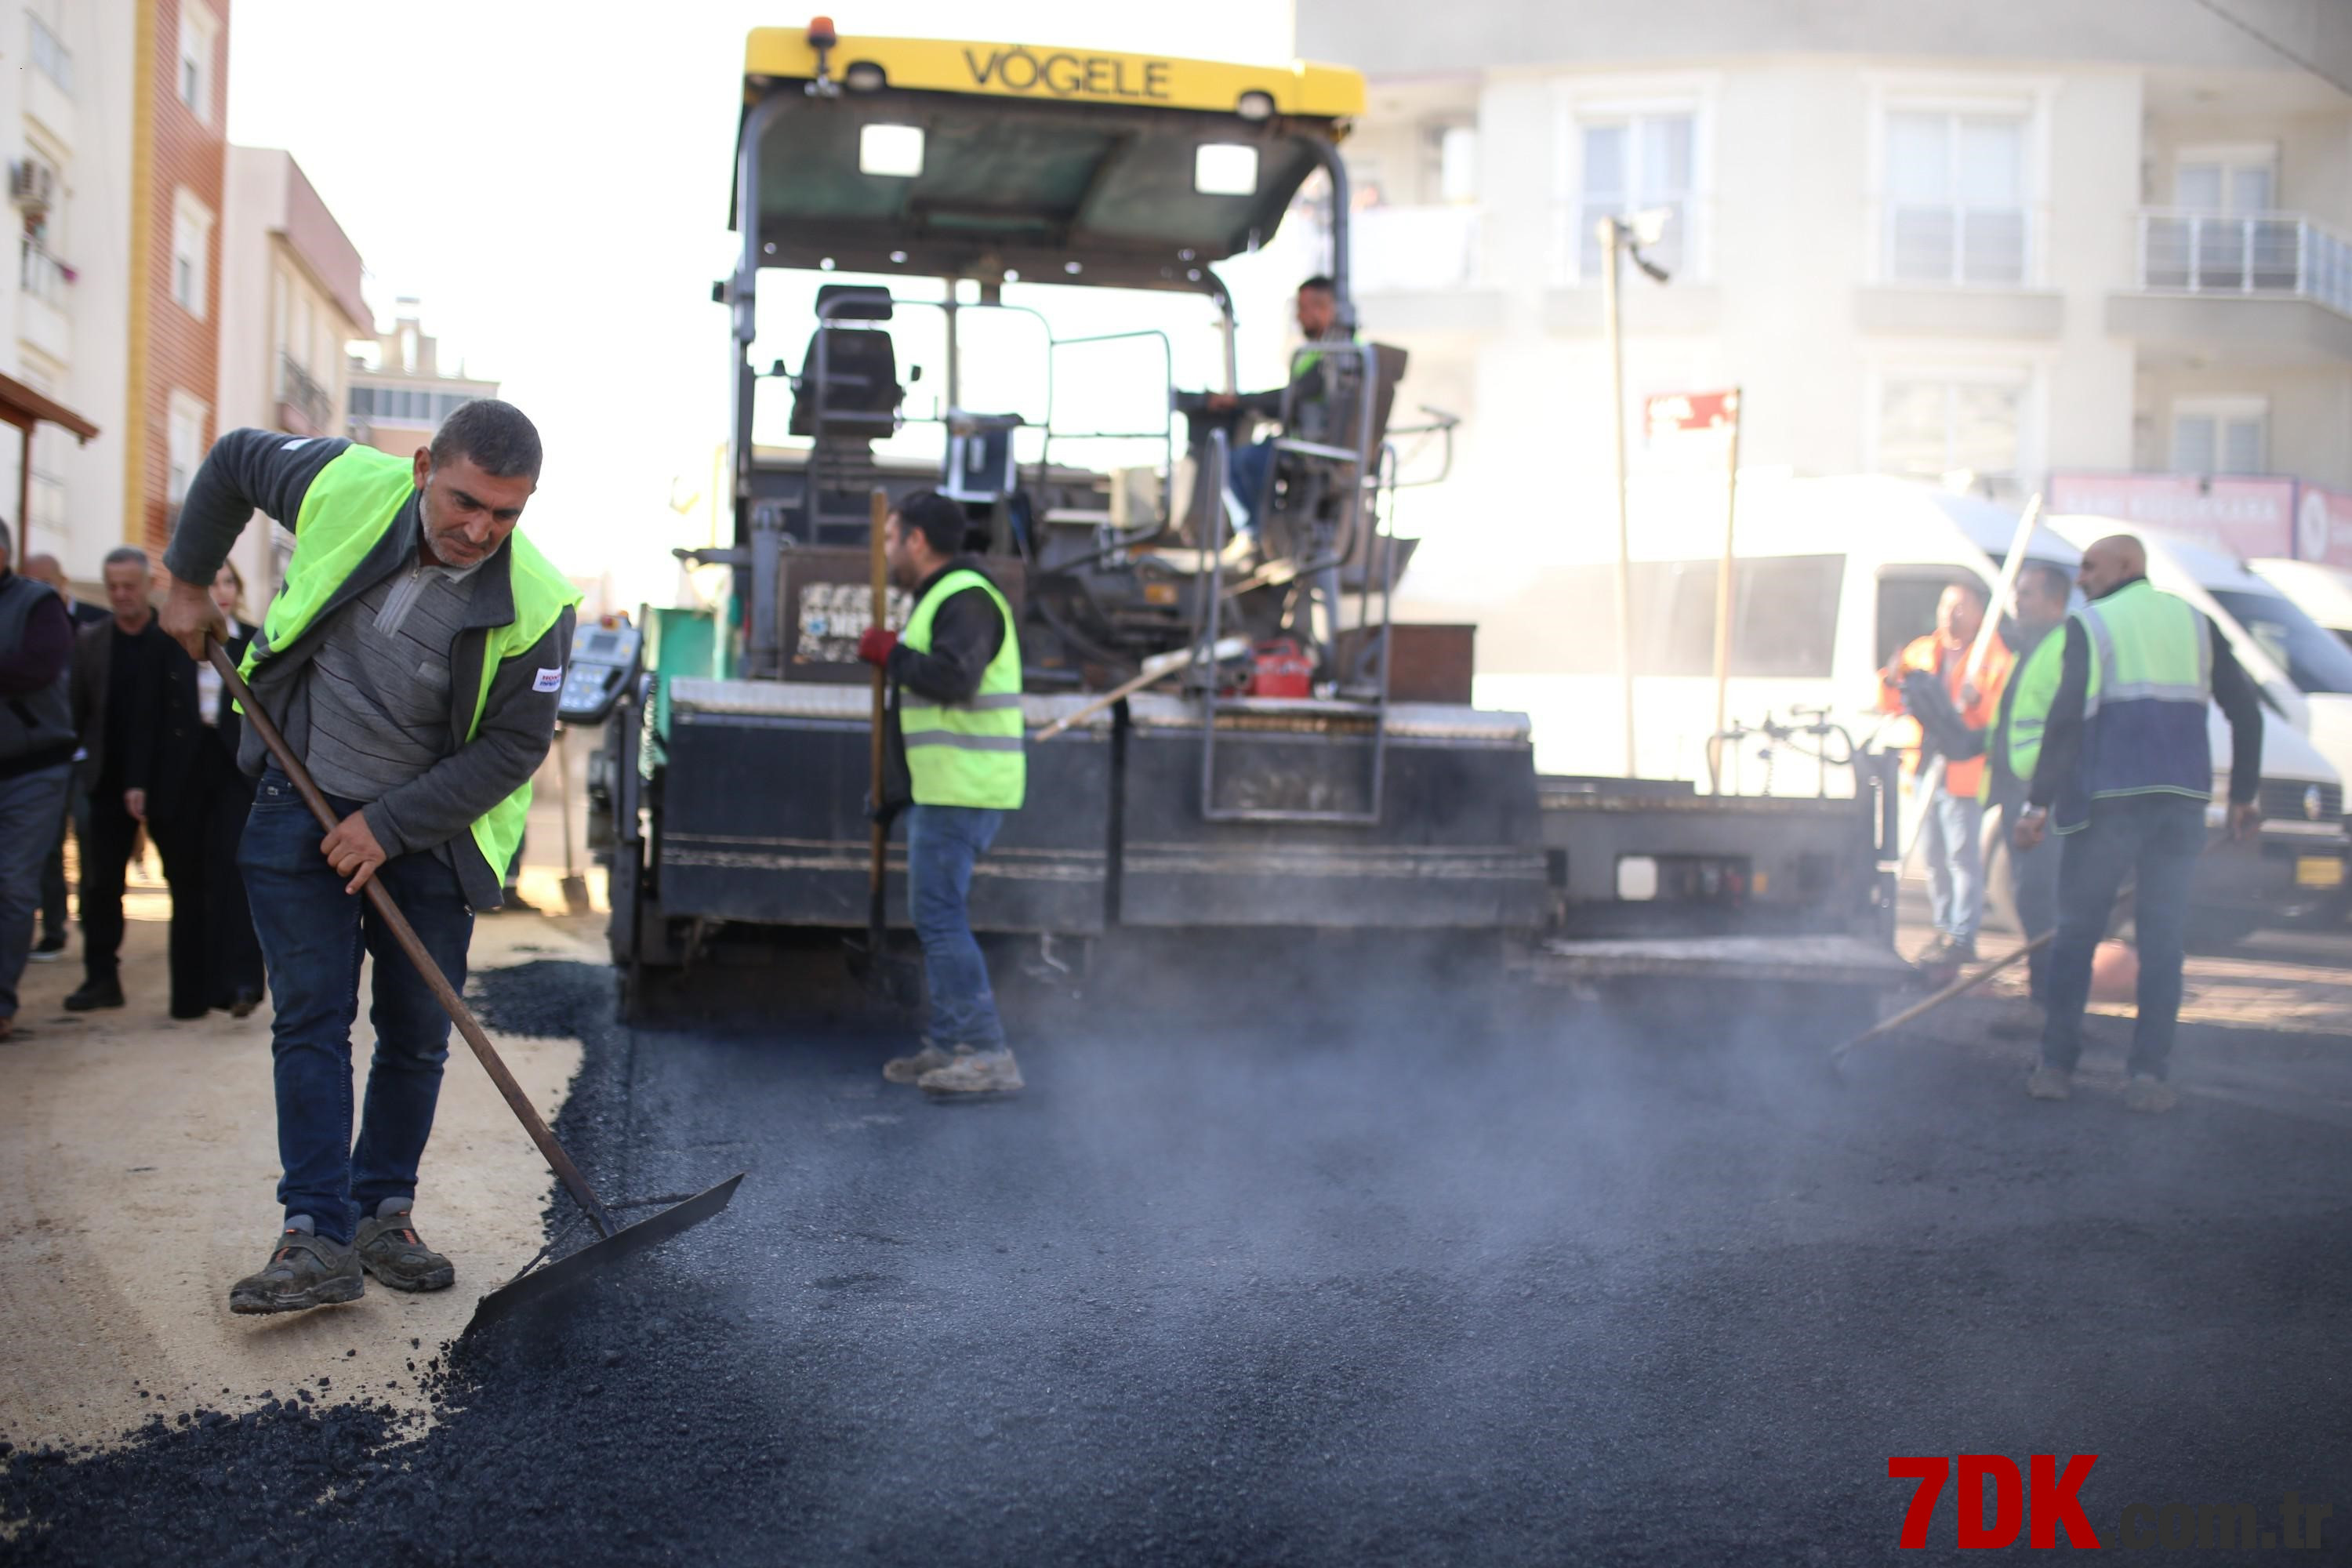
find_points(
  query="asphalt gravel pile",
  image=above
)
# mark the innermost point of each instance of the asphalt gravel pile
(1363, 1288)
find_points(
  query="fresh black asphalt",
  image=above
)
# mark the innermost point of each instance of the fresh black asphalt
(1368, 1285)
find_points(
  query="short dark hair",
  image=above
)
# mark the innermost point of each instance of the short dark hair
(126, 555)
(937, 519)
(502, 442)
(2053, 578)
(1320, 282)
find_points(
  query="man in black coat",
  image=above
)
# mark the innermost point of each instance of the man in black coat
(118, 674)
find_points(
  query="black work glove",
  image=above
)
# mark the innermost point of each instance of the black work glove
(1947, 733)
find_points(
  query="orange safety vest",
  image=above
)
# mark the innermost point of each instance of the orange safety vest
(1928, 654)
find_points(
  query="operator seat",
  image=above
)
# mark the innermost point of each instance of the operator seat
(859, 365)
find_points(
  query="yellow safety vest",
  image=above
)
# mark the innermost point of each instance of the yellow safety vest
(966, 753)
(345, 514)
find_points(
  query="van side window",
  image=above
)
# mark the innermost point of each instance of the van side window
(1783, 619)
(1785, 616)
(1907, 608)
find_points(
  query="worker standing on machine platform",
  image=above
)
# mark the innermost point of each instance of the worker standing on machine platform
(2126, 769)
(956, 759)
(414, 660)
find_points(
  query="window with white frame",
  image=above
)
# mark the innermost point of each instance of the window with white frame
(186, 444)
(2221, 435)
(2240, 180)
(192, 235)
(49, 56)
(1629, 163)
(1456, 147)
(1934, 424)
(199, 33)
(1955, 197)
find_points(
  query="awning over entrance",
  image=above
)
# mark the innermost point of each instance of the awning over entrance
(22, 407)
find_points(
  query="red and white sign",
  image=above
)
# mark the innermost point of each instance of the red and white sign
(1671, 413)
(2248, 517)
(2251, 517)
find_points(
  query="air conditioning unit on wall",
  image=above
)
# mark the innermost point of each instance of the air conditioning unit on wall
(32, 186)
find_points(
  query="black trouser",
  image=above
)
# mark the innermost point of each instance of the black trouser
(232, 952)
(106, 858)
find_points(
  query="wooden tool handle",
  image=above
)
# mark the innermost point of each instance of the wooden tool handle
(410, 944)
(1965, 983)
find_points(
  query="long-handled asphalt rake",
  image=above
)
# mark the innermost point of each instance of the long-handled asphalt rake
(614, 1240)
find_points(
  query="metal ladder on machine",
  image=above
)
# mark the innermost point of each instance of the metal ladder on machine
(1365, 471)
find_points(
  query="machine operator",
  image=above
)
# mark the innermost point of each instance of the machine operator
(1318, 323)
(956, 761)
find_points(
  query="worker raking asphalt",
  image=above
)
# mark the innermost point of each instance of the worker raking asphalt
(1358, 1291)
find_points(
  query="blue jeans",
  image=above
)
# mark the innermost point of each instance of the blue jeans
(942, 843)
(31, 806)
(1250, 465)
(2033, 883)
(2156, 839)
(1955, 863)
(313, 936)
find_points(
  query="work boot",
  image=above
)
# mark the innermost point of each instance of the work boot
(928, 1058)
(305, 1270)
(1937, 952)
(976, 1074)
(2046, 1082)
(2152, 1096)
(94, 995)
(1961, 949)
(388, 1248)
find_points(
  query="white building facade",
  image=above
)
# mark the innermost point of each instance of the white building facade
(65, 128)
(1989, 244)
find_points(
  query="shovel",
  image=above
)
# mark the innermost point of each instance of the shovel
(614, 1240)
(893, 979)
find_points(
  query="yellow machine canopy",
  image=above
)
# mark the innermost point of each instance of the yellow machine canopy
(970, 159)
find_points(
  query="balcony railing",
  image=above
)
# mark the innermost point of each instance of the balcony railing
(300, 392)
(1416, 250)
(43, 276)
(2264, 255)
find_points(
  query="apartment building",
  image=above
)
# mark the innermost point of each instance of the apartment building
(292, 302)
(400, 393)
(65, 131)
(179, 158)
(2011, 245)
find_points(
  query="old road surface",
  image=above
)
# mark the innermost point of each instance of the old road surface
(1367, 1287)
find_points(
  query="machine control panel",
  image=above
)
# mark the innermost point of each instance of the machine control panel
(604, 658)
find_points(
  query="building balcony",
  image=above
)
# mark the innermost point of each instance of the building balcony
(2249, 287)
(44, 302)
(1418, 270)
(304, 407)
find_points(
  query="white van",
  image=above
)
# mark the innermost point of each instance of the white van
(1831, 577)
(2322, 593)
(2305, 676)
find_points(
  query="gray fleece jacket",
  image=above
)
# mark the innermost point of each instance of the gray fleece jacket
(261, 470)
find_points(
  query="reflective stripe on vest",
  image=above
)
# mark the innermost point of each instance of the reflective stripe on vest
(2145, 707)
(345, 514)
(2029, 710)
(966, 753)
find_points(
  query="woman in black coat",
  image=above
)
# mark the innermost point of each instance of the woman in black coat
(232, 952)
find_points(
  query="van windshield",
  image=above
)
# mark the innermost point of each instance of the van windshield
(2312, 659)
